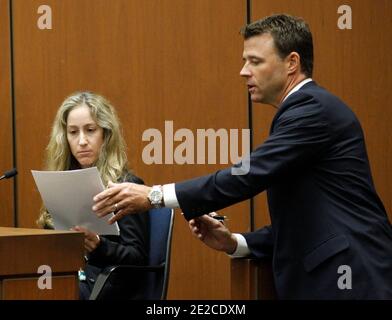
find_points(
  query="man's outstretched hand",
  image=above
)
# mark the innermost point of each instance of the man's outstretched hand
(122, 199)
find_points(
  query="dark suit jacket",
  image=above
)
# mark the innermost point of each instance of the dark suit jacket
(131, 247)
(325, 212)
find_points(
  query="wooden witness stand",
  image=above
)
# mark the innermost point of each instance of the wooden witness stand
(23, 251)
(252, 279)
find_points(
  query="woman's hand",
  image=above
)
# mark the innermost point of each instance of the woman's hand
(91, 239)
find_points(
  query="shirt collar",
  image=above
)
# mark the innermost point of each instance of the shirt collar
(297, 87)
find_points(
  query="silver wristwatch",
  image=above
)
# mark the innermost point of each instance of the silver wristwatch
(155, 196)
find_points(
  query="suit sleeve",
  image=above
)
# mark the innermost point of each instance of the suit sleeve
(260, 242)
(298, 136)
(131, 247)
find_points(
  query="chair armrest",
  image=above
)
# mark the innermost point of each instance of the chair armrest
(130, 268)
(105, 275)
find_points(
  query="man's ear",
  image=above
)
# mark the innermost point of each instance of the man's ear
(294, 62)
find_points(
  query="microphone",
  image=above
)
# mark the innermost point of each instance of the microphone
(9, 174)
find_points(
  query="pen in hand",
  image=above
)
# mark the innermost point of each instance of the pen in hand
(220, 218)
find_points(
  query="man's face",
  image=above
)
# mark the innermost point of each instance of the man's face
(265, 72)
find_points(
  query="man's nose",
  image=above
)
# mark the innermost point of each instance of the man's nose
(244, 71)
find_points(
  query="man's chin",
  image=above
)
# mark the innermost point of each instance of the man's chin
(256, 99)
(259, 99)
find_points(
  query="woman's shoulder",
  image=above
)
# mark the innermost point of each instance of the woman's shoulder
(130, 177)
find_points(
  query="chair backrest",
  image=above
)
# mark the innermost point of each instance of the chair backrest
(161, 228)
(152, 279)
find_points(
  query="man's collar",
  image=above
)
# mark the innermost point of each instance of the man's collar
(297, 87)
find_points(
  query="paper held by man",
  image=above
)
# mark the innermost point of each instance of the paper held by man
(68, 197)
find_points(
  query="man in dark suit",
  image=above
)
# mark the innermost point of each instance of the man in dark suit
(330, 237)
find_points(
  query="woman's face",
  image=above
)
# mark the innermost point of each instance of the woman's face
(84, 136)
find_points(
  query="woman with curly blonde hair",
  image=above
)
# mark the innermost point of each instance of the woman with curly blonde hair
(86, 132)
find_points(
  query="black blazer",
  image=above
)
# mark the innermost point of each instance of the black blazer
(131, 247)
(325, 212)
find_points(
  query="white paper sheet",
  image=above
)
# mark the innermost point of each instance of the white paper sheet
(68, 196)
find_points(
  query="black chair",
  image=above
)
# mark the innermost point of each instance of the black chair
(155, 275)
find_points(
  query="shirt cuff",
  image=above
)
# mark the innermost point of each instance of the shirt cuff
(242, 247)
(169, 196)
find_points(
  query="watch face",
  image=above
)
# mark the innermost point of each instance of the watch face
(155, 196)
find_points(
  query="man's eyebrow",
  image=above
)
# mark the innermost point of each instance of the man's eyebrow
(251, 57)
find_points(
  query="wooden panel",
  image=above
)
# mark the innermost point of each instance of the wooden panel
(24, 251)
(163, 60)
(27, 249)
(353, 64)
(6, 186)
(252, 279)
(243, 280)
(63, 288)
